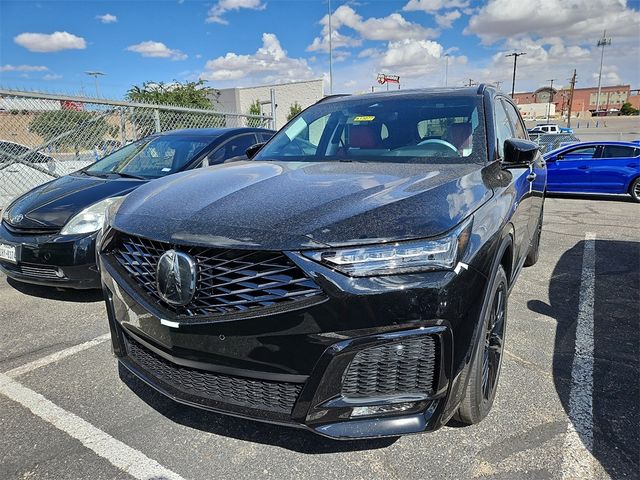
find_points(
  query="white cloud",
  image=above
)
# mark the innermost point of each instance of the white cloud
(23, 68)
(107, 18)
(432, 6)
(446, 19)
(156, 50)
(610, 76)
(50, 42)
(411, 57)
(389, 28)
(214, 15)
(269, 63)
(578, 19)
(52, 76)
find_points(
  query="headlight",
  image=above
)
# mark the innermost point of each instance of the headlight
(395, 258)
(90, 219)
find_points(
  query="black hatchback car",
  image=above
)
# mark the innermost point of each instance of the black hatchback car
(48, 235)
(351, 280)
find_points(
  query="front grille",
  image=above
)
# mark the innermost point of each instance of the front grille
(31, 231)
(228, 281)
(35, 271)
(272, 396)
(406, 366)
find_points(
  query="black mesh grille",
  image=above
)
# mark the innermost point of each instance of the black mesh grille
(407, 366)
(35, 271)
(271, 396)
(228, 281)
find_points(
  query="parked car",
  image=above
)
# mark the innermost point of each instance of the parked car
(48, 235)
(352, 279)
(550, 128)
(550, 141)
(595, 167)
(11, 150)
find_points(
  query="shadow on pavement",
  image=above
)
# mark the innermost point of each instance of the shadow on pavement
(616, 374)
(61, 294)
(298, 440)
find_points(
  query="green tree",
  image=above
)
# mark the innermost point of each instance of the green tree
(628, 109)
(255, 109)
(294, 110)
(83, 129)
(189, 94)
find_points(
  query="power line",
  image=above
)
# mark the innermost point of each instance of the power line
(515, 56)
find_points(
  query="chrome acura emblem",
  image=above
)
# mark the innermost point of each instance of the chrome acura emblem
(176, 277)
(15, 219)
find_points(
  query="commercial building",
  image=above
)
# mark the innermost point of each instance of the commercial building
(239, 99)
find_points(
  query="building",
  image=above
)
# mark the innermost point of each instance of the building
(584, 99)
(239, 99)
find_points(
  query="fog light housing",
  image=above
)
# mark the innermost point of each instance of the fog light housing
(381, 409)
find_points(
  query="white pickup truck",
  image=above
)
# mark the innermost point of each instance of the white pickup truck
(550, 128)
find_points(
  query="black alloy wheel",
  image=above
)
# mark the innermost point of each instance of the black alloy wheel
(634, 190)
(494, 344)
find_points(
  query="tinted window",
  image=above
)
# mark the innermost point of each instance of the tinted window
(399, 129)
(618, 151)
(503, 127)
(265, 137)
(584, 152)
(514, 118)
(152, 157)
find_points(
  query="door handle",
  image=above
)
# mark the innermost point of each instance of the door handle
(532, 176)
(583, 167)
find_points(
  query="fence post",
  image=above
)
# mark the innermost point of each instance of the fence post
(156, 115)
(123, 131)
(273, 108)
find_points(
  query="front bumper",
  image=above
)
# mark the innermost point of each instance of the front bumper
(56, 260)
(290, 367)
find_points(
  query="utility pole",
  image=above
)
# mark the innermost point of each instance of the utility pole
(573, 87)
(603, 42)
(470, 84)
(95, 75)
(446, 69)
(550, 99)
(515, 56)
(330, 52)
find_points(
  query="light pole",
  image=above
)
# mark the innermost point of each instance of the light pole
(603, 42)
(515, 56)
(95, 75)
(550, 99)
(330, 52)
(446, 68)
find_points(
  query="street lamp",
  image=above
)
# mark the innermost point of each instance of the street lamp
(95, 75)
(515, 56)
(603, 42)
(446, 68)
(330, 52)
(550, 99)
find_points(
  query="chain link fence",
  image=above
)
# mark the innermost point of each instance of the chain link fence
(45, 136)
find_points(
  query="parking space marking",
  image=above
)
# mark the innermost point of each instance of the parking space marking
(577, 459)
(56, 356)
(120, 455)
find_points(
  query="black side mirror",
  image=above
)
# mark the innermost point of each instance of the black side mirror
(253, 149)
(519, 152)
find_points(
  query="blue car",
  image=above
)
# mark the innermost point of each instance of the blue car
(595, 167)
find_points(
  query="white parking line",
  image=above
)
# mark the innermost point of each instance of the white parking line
(120, 455)
(54, 357)
(578, 461)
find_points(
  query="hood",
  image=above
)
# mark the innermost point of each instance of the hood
(296, 205)
(52, 204)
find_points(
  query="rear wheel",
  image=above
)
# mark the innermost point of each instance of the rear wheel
(634, 190)
(534, 248)
(485, 369)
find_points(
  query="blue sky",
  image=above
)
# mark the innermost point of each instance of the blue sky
(48, 45)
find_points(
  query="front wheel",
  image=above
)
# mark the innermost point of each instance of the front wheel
(485, 369)
(634, 190)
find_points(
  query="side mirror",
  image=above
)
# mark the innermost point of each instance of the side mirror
(253, 149)
(518, 152)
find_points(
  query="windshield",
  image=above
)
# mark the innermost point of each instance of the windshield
(152, 157)
(416, 129)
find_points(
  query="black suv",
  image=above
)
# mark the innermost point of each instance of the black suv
(352, 279)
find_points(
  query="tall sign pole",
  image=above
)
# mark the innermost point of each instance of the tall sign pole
(330, 52)
(515, 56)
(603, 42)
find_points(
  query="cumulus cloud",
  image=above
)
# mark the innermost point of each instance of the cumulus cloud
(576, 19)
(610, 76)
(107, 18)
(156, 50)
(52, 76)
(269, 63)
(446, 19)
(432, 6)
(390, 28)
(50, 42)
(23, 68)
(214, 15)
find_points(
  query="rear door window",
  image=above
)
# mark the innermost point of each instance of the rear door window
(619, 151)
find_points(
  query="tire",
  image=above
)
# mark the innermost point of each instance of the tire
(534, 248)
(485, 369)
(634, 189)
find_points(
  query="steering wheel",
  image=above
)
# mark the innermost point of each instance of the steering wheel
(437, 141)
(295, 143)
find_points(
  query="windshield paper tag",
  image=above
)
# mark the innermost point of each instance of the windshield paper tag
(296, 128)
(364, 118)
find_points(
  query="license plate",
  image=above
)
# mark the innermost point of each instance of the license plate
(8, 252)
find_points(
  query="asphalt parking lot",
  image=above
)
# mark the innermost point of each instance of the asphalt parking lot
(567, 407)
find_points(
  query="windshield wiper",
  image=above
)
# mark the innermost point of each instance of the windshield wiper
(92, 174)
(127, 175)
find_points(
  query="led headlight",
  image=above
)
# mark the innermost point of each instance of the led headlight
(90, 219)
(395, 258)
